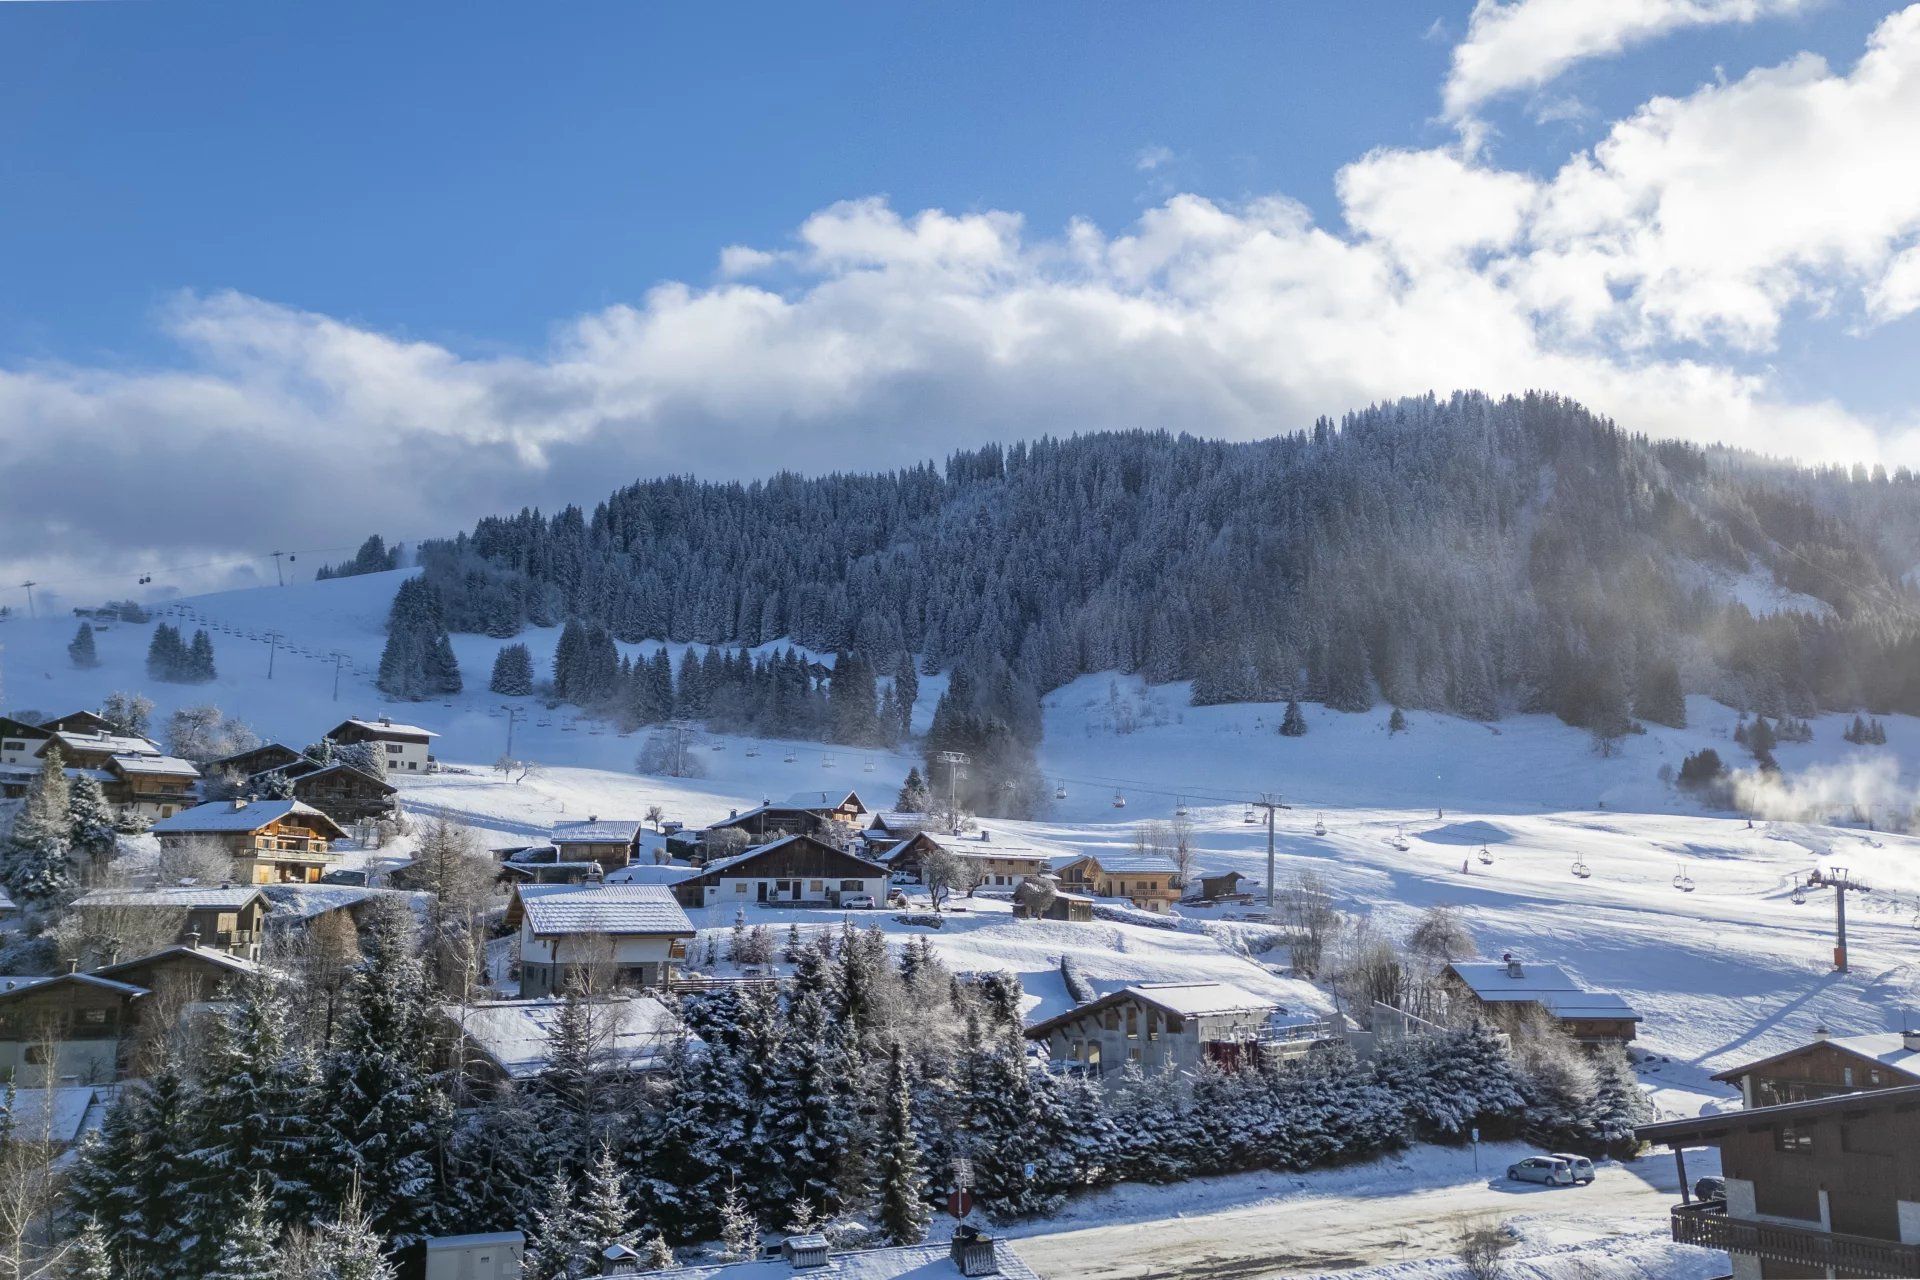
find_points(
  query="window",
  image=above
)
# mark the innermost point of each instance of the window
(91, 1018)
(1788, 1138)
(393, 748)
(739, 886)
(816, 886)
(226, 922)
(1846, 1076)
(852, 886)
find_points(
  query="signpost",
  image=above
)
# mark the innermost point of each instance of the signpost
(1476, 1148)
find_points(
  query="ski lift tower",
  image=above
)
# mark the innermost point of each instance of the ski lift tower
(1270, 802)
(1837, 879)
(954, 760)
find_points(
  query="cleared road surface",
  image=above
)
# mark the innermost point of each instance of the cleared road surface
(1392, 1222)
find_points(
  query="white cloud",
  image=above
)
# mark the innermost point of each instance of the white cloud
(1151, 158)
(1522, 44)
(888, 337)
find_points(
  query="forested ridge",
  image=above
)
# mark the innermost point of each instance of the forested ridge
(1467, 554)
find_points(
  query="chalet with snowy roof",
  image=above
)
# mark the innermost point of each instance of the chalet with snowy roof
(1220, 886)
(81, 722)
(513, 1039)
(93, 749)
(545, 864)
(406, 748)
(1159, 1024)
(969, 1253)
(636, 933)
(226, 918)
(998, 862)
(188, 972)
(69, 1027)
(611, 842)
(20, 741)
(152, 787)
(792, 871)
(890, 826)
(264, 758)
(344, 792)
(1148, 881)
(1505, 989)
(270, 841)
(802, 813)
(1827, 1066)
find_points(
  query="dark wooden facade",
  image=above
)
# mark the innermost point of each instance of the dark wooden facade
(1817, 1070)
(798, 861)
(1811, 1186)
(268, 755)
(344, 793)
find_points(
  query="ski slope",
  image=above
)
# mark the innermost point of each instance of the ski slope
(1728, 972)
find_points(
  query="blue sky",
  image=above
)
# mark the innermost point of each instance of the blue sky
(534, 251)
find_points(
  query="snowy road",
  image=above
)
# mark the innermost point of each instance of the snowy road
(1388, 1219)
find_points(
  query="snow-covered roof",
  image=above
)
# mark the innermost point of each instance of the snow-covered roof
(391, 728)
(517, 1035)
(597, 831)
(173, 765)
(898, 819)
(112, 743)
(820, 800)
(640, 873)
(182, 897)
(6, 902)
(239, 815)
(719, 865)
(338, 766)
(612, 909)
(1133, 864)
(83, 979)
(1199, 999)
(1547, 985)
(911, 1262)
(1889, 1048)
(219, 959)
(987, 845)
(58, 1115)
(293, 902)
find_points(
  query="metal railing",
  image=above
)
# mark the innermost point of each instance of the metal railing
(1706, 1224)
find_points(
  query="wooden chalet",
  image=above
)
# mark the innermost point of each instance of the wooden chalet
(20, 741)
(1505, 989)
(70, 1027)
(94, 749)
(404, 747)
(1148, 881)
(999, 864)
(342, 791)
(227, 918)
(151, 786)
(264, 758)
(805, 813)
(1159, 1025)
(793, 870)
(610, 842)
(1827, 1066)
(81, 722)
(1825, 1187)
(192, 973)
(270, 840)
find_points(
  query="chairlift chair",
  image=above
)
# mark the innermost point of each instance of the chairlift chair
(1486, 859)
(1580, 869)
(1119, 801)
(1799, 896)
(826, 761)
(1059, 791)
(1180, 807)
(791, 757)
(1248, 817)
(752, 752)
(1319, 825)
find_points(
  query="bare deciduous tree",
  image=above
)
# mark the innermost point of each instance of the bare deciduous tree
(1480, 1244)
(945, 873)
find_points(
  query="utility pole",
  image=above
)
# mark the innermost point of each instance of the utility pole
(513, 714)
(273, 646)
(681, 731)
(30, 586)
(338, 658)
(953, 760)
(1270, 801)
(278, 575)
(1837, 880)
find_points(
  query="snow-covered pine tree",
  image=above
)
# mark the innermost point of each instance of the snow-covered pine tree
(349, 1247)
(1293, 724)
(35, 866)
(246, 1243)
(199, 665)
(903, 1212)
(913, 797)
(809, 1121)
(906, 691)
(1619, 1105)
(128, 713)
(657, 1255)
(81, 651)
(512, 671)
(89, 1254)
(606, 1210)
(155, 1240)
(102, 1176)
(418, 660)
(739, 1229)
(382, 1110)
(89, 818)
(558, 1245)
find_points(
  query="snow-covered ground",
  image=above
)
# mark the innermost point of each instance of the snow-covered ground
(1729, 972)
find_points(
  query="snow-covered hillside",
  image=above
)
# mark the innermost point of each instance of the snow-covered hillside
(1724, 973)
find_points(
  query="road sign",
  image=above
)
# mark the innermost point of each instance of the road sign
(1029, 1169)
(960, 1202)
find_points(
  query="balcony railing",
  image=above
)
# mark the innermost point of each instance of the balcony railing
(1707, 1224)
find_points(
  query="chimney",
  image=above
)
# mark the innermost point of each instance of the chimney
(972, 1252)
(1910, 1041)
(1820, 1031)
(593, 817)
(1513, 968)
(73, 966)
(193, 939)
(239, 803)
(804, 1253)
(985, 836)
(619, 1260)
(386, 720)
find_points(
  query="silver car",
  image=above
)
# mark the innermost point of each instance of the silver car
(1546, 1169)
(1581, 1166)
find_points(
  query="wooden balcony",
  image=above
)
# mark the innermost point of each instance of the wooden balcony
(1707, 1224)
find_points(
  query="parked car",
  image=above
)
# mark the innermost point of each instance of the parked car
(1710, 1188)
(1580, 1166)
(1544, 1169)
(861, 901)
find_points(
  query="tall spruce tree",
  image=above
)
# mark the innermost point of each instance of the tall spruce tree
(89, 817)
(81, 651)
(902, 1193)
(35, 865)
(418, 660)
(246, 1249)
(512, 671)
